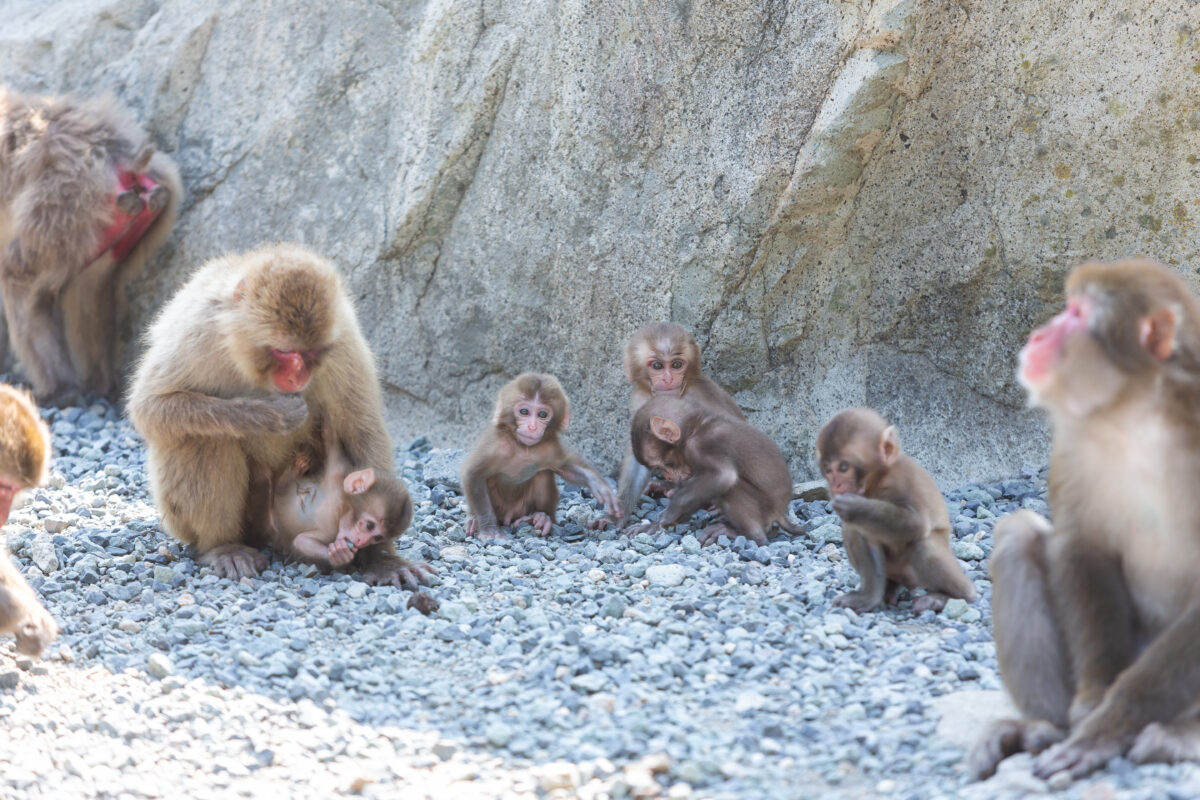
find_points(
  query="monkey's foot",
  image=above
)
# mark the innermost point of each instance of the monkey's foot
(860, 602)
(642, 527)
(931, 601)
(129, 202)
(540, 521)
(1007, 737)
(1167, 743)
(423, 602)
(235, 561)
(409, 575)
(1077, 756)
(488, 533)
(158, 198)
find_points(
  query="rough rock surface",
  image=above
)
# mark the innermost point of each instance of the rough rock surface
(850, 203)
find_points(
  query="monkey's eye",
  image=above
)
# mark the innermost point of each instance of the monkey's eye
(543, 414)
(370, 526)
(677, 364)
(656, 365)
(843, 466)
(524, 412)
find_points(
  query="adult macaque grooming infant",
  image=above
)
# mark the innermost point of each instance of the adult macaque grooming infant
(240, 366)
(713, 458)
(1097, 620)
(509, 476)
(325, 519)
(24, 454)
(894, 519)
(84, 201)
(662, 358)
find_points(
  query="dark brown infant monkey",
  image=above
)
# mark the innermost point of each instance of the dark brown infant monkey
(714, 459)
(509, 476)
(24, 456)
(1097, 619)
(325, 519)
(894, 520)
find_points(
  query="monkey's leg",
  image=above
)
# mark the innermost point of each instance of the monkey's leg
(200, 487)
(1171, 743)
(868, 560)
(35, 335)
(88, 305)
(21, 613)
(744, 514)
(631, 483)
(1030, 647)
(541, 503)
(939, 573)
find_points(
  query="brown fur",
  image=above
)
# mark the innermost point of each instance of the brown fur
(665, 341)
(894, 520)
(1112, 592)
(718, 459)
(24, 458)
(203, 397)
(505, 480)
(59, 158)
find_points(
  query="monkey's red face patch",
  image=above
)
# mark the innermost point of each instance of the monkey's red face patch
(1040, 354)
(291, 372)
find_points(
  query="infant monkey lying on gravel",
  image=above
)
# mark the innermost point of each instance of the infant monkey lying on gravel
(325, 519)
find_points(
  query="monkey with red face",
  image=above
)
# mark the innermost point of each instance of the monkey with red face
(1097, 619)
(509, 476)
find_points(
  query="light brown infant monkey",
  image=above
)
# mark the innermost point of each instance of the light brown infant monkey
(325, 519)
(894, 521)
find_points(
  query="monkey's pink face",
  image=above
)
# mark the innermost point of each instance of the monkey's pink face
(532, 418)
(666, 374)
(841, 475)
(292, 369)
(1041, 353)
(366, 529)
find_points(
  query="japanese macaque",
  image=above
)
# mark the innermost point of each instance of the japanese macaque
(84, 201)
(24, 457)
(1097, 620)
(713, 458)
(663, 359)
(894, 520)
(239, 367)
(509, 476)
(325, 519)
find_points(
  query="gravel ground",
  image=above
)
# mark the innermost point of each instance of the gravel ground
(581, 665)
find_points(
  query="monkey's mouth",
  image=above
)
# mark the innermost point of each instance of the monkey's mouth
(529, 439)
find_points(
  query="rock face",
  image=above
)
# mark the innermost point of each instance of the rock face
(849, 203)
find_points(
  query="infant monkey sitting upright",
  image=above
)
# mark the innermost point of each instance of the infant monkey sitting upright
(894, 519)
(325, 519)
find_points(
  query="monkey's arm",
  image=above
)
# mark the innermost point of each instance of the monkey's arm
(879, 520)
(482, 517)
(700, 490)
(632, 482)
(312, 547)
(575, 470)
(359, 427)
(186, 413)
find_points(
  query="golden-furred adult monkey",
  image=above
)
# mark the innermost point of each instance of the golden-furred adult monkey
(84, 200)
(1097, 619)
(24, 456)
(240, 367)
(662, 358)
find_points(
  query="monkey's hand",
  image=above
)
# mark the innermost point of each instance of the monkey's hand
(1079, 755)
(290, 410)
(484, 533)
(234, 561)
(1007, 737)
(861, 602)
(849, 506)
(540, 521)
(340, 553)
(649, 528)
(401, 572)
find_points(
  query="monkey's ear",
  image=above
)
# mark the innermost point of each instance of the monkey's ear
(1156, 333)
(359, 481)
(665, 429)
(889, 445)
(566, 419)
